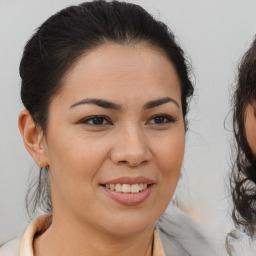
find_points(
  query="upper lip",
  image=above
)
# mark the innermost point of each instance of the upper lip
(130, 180)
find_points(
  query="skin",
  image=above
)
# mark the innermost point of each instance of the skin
(130, 143)
(250, 126)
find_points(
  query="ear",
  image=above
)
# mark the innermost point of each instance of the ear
(250, 126)
(33, 138)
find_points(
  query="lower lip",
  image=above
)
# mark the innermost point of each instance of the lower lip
(129, 198)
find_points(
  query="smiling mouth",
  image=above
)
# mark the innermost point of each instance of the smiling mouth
(127, 188)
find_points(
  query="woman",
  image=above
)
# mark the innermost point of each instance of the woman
(244, 170)
(106, 91)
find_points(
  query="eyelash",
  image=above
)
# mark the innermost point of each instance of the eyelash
(168, 119)
(92, 118)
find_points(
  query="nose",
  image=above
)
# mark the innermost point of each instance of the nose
(131, 148)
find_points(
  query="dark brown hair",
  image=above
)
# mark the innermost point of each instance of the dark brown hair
(243, 179)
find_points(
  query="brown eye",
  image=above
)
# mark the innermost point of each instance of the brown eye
(161, 120)
(96, 121)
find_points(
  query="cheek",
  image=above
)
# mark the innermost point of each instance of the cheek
(74, 162)
(171, 152)
(169, 155)
(250, 129)
(169, 158)
(251, 137)
(74, 151)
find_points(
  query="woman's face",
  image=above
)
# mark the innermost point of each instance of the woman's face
(250, 126)
(116, 125)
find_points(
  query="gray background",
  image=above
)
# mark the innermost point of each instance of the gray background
(214, 35)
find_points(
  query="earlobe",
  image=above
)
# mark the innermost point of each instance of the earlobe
(33, 138)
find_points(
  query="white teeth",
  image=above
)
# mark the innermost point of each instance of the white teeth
(118, 188)
(135, 188)
(142, 186)
(127, 188)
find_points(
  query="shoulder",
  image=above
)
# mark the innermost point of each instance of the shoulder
(11, 248)
(184, 235)
(238, 243)
(38, 225)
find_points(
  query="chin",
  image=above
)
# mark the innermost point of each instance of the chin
(130, 224)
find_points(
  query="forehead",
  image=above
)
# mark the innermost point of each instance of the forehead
(113, 70)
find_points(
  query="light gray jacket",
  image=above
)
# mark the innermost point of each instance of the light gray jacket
(241, 244)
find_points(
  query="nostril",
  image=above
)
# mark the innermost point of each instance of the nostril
(133, 164)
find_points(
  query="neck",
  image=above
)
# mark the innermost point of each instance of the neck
(72, 238)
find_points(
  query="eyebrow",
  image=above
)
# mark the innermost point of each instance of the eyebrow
(98, 102)
(156, 103)
(110, 105)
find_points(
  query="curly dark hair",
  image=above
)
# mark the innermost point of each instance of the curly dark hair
(243, 180)
(64, 37)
